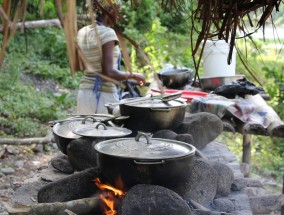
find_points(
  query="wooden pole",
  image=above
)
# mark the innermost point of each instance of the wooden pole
(246, 149)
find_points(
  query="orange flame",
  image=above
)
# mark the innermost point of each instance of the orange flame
(109, 200)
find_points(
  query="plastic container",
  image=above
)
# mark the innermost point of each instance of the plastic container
(186, 94)
(215, 59)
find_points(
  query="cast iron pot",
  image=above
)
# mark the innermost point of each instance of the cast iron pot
(176, 78)
(153, 115)
(144, 160)
(63, 129)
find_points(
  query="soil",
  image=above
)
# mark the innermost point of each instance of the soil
(18, 163)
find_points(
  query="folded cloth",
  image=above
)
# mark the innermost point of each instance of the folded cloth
(250, 110)
(212, 103)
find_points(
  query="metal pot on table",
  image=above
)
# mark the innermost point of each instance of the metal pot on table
(63, 129)
(175, 78)
(145, 160)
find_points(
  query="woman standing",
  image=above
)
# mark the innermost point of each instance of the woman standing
(99, 44)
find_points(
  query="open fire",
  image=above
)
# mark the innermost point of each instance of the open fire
(109, 197)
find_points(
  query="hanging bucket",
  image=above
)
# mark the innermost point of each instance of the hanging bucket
(215, 59)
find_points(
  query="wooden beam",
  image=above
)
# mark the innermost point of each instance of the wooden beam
(36, 24)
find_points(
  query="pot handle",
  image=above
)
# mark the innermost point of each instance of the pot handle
(89, 117)
(140, 134)
(149, 162)
(102, 124)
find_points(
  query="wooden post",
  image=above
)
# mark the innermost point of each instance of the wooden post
(246, 149)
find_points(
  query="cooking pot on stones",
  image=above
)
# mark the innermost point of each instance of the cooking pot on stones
(63, 129)
(153, 115)
(145, 160)
(175, 78)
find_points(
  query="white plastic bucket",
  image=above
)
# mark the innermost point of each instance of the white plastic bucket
(215, 59)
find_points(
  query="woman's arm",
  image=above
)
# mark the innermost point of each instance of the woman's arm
(107, 66)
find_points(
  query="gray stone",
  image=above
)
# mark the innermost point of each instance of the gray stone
(165, 134)
(240, 200)
(171, 135)
(19, 164)
(223, 205)
(256, 191)
(225, 178)
(38, 148)
(202, 185)
(50, 174)
(187, 138)
(267, 204)
(8, 171)
(26, 194)
(81, 153)
(239, 183)
(204, 128)
(253, 182)
(62, 164)
(76, 186)
(153, 200)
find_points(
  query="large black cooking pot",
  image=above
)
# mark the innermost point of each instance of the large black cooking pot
(63, 129)
(144, 160)
(175, 78)
(153, 115)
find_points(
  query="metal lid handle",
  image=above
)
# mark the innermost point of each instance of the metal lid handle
(89, 117)
(146, 136)
(102, 124)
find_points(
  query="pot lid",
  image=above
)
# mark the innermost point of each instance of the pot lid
(64, 128)
(158, 103)
(145, 148)
(101, 130)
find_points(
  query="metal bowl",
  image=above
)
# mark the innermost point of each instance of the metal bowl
(176, 78)
(208, 84)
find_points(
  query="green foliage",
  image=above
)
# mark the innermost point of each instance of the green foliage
(44, 55)
(267, 153)
(33, 10)
(162, 36)
(25, 109)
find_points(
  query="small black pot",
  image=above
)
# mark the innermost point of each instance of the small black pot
(176, 78)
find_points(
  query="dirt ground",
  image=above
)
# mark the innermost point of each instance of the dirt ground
(18, 163)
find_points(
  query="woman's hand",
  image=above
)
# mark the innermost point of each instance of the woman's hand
(139, 78)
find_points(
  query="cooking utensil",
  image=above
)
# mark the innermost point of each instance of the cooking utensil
(62, 129)
(101, 130)
(185, 94)
(176, 78)
(145, 160)
(153, 115)
(212, 83)
(141, 99)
